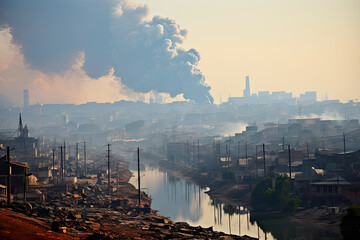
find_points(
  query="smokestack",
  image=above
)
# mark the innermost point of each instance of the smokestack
(26, 98)
(247, 87)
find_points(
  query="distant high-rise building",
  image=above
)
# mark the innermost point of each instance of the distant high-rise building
(308, 97)
(247, 87)
(26, 98)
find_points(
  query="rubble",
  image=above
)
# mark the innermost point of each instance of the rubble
(88, 212)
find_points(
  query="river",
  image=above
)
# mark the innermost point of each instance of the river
(184, 201)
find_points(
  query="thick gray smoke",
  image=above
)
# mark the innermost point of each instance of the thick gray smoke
(146, 54)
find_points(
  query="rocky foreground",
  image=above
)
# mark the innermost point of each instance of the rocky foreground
(92, 214)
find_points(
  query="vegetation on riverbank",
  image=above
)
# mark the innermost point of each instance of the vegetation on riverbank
(350, 223)
(265, 197)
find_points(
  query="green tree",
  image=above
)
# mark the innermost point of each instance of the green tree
(350, 223)
(258, 195)
(278, 198)
(227, 174)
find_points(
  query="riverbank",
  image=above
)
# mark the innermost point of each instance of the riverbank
(92, 214)
(237, 195)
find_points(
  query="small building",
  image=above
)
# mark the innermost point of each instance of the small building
(283, 156)
(339, 187)
(2, 191)
(19, 171)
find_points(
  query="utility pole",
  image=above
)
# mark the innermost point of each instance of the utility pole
(53, 170)
(238, 154)
(61, 163)
(283, 143)
(25, 185)
(9, 175)
(138, 155)
(219, 154)
(214, 152)
(309, 163)
(64, 160)
(77, 159)
(108, 157)
(117, 176)
(344, 147)
(246, 156)
(230, 148)
(264, 159)
(290, 166)
(187, 152)
(227, 161)
(198, 154)
(8, 185)
(85, 156)
(256, 161)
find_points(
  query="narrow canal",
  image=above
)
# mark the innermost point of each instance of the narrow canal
(184, 201)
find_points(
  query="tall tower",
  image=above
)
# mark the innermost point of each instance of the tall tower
(20, 127)
(247, 87)
(26, 98)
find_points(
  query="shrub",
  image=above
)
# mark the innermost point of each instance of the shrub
(350, 223)
(278, 198)
(258, 196)
(227, 174)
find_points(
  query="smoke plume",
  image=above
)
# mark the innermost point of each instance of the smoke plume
(104, 39)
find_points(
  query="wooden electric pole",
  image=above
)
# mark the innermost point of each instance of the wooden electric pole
(256, 161)
(109, 171)
(85, 157)
(53, 163)
(64, 160)
(309, 163)
(198, 155)
(61, 164)
(77, 159)
(290, 166)
(138, 155)
(8, 185)
(264, 159)
(344, 147)
(9, 175)
(246, 156)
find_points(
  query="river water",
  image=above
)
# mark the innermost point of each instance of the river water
(184, 201)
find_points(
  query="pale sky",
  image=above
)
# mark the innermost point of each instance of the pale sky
(283, 45)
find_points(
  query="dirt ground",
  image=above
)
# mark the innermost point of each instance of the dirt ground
(17, 226)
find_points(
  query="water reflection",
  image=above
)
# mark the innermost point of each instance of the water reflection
(184, 201)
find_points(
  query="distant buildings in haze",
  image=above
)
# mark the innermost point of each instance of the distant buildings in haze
(26, 98)
(265, 97)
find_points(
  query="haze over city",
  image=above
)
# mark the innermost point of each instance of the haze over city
(202, 119)
(192, 46)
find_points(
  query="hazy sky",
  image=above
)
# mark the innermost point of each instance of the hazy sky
(88, 50)
(285, 45)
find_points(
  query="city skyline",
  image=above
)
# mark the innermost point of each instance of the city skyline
(292, 46)
(179, 50)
